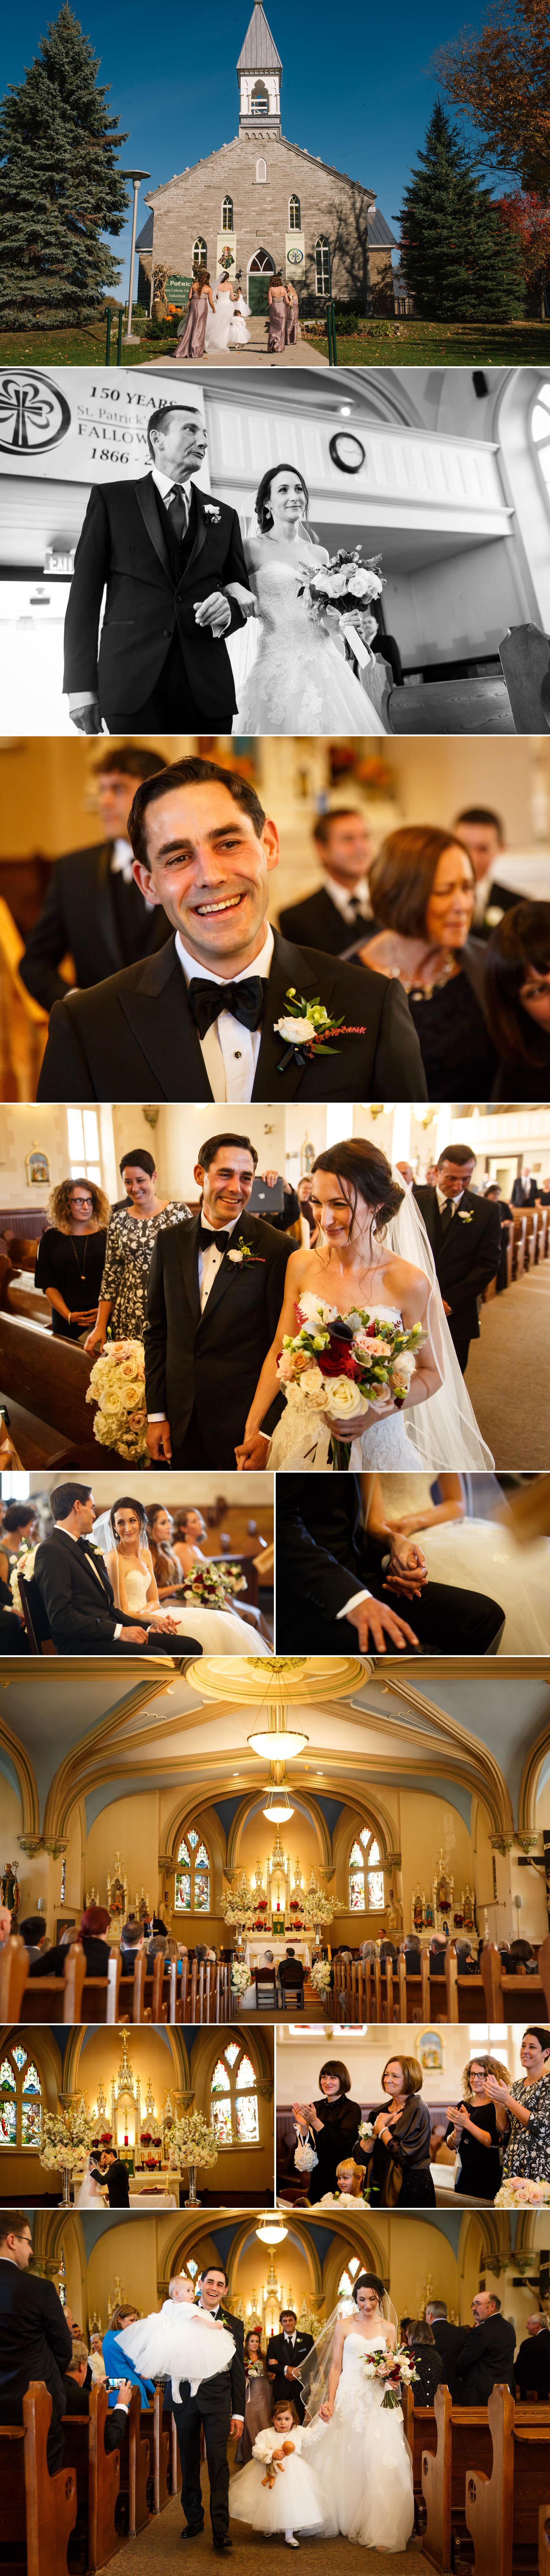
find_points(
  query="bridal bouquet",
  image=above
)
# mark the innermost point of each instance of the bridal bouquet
(117, 1387)
(206, 1585)
(339, 1368)
(396, 2368)
(522, 2192)
(24, 1565)
(350, 585)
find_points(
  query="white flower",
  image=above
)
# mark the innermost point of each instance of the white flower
(403, 1368)
(311, 1384)
(295, 1031)
(342, 1395)
(237, 1257)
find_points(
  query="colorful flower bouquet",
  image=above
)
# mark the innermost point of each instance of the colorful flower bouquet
(207, 1586)
(396, 2368)
(341, 1367)
(521, 2191)
(117, 1387)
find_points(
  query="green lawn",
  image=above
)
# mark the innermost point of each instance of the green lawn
(70, 348)
(413, 343)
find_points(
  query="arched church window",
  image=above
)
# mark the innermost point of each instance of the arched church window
(234, 2098)
(366, 1875)
(540, 430)
(227, 215)
(20, 2099)
(200, 255)
(192, 1875)
(261, 173)
(322, 266)
(347, 2278)
(260, 99)
(294, 216)
(62, 2279)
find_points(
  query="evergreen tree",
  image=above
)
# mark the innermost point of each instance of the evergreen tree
(460, 260)
(60, 188)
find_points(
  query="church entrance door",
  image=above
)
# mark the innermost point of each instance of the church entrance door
(262, 269)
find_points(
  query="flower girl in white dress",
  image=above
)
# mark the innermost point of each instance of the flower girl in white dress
(276, 2492)
(180, 2341)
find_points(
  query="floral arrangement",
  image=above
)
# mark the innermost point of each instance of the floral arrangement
(318, 1907)
(190, 2141)
(339, 1368)
(240, 1978)
(307, 1025)
(66, 2138)
(233, 1578)
(522, 2192)
(321, 1975)
(365, 2129)
(347, 581)
(240, 1905)
(396, 2368)
(205, 1585)
(305, 2155)
(117, 1387)
(24, 1565)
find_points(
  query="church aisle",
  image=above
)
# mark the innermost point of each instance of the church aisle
(512, 1401)
(158, 2547)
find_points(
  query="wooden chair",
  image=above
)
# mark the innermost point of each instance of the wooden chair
(14, 1970)
(267, 1996)
(38, 2512)
(36, 1624)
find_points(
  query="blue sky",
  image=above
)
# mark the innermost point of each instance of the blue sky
(357, 87)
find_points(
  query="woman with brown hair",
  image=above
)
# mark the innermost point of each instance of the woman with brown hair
(427, 2361)
(517, 1001)
(257, 2409)
(277, 307)
(476, 2127)
(397, 2157)
(422, 891)
(71, 1255)
(199, 304)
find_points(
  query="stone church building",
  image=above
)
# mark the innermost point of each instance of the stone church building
(263, 204)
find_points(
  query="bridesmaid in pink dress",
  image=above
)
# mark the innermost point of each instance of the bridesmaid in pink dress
(291, 324)
(192, 340)
(277, 306)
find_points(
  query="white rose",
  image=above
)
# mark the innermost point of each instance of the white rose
(342, 1395)
(403, 1368)
(294, 1031)
(238, 1257)
(312, 1385)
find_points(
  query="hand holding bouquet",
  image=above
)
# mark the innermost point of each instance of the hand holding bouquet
(396, 2368)
(346, 587)
(342, 1369)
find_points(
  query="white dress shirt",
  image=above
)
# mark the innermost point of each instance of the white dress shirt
(72, 1534)
(344, 898)
(121, 861)
(229, 1051)
(445, 1203)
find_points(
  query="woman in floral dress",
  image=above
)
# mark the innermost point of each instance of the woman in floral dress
(527, 2152)
(131, 1238)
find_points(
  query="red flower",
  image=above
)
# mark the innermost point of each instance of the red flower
(339, 1361)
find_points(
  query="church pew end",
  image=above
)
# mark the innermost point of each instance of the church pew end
(35, 2506)
(134, 2470)
(544, 2539)
(502, 2511)
(459, 2431)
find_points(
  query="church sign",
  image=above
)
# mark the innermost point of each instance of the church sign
(226, 254)
(177, 290)
(295, 255)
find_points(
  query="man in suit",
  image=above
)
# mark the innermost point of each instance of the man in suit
(94, 911)
(292, 1973)
(115, 2174)
(487, 2357)
(524, 1189)
(464, 1232)
(35, 2342)
(76, 2397)
(218, 2406)
(342, 1588)
(164, 552)
(482, 832)
(72, 1579)
(285, 2354)
(449, 2341)
(216, 1287)
(340, 907)
(208, 1017)
(532, 2362)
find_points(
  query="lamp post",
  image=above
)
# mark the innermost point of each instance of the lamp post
(136, 177)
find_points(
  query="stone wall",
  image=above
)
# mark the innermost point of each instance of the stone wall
(191, 206)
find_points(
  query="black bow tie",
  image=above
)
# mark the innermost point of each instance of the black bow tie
(245, 1001)
(208, 1236)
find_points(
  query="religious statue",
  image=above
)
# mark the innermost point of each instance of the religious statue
(10, 1891)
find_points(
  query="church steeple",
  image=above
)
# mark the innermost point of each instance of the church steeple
(259, 74)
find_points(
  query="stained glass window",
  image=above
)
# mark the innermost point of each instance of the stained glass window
(192, 2267)
(192, 1875)
(232, 2051)
(345, 2284)
(366, 1875)
(19, 2057)
(234, 2098)
(20, 2099)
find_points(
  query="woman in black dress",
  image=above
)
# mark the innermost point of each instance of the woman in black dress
(427, 2361)
(422, 890)
(477, 2128)
(397, 2157)
(517, 993)
(329, 2127)
(71, 1254)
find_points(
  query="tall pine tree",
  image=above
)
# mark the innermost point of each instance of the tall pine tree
(60, 188)
(460, 261)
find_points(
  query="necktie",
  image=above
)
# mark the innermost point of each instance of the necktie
(207, 1237)
(447, 1214)
(245, 1001)
(177, 505)
(355, 907)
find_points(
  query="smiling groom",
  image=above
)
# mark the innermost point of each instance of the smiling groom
(227, 1009)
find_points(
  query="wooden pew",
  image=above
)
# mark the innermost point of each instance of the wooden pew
(465, 1994)
(516, 1998)
(414, 1991)
(134, 2470)
(421, 2435)
(525, 663)
(45, 1382)
(544, 2538)
(461, 2433)
(97, 2474)
(14, 1969)
(162, 2450)
(57, 1999)
(503, 2510)
(35, 2508)
(479, 704)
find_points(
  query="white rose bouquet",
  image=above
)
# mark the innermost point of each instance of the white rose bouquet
(240, 1977)
(24, 1566)
(339, 1368)
(321, 1975)
(117, 1388)
(521, 2191)
(351, 586)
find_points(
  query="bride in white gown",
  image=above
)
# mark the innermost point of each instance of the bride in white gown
(88, 2193)
(292, 670)
(122, 1535)
(219, 323)
(355, 2444)
(369, 1228)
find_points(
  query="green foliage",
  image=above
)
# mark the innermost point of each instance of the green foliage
(460, 261)
(60, 188)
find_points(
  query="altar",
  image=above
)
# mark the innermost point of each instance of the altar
(259, 1944)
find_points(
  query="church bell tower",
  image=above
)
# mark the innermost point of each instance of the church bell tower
(259, 75)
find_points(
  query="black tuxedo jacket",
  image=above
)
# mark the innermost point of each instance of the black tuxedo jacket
(123, 550)
(467, 1256)
(500, 899)
(486, 2361)
(212, 1360)
(532, 2364)
(317, 923)
(134, 1037)
(77, 1605)
(215, 2389)
(76, 2401)
(94, 917)
(522, 1197)
(118, 2186)
(35, 2342)
(279, 2352)
(322, 1553)
(449, 2341)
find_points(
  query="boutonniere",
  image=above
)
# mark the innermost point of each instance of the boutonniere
(306, 1028)
(466, 1215)
(212, 510)
(242, 1252)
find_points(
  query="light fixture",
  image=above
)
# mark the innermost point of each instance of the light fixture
(271, 2231)
(280, 1743)
(278, 1810)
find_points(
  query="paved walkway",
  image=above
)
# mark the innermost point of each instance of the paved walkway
(256, 354)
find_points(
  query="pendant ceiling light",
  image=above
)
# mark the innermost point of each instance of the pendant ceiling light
(272, 2231)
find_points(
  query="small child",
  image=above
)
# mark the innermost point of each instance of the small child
(276, 2491)
(181, 2342)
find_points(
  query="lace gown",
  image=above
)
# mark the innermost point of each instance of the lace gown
(219, 1632)
(302, 1438)
(299, 681)
(362, 2459)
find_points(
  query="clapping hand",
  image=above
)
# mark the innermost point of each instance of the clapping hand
(498, 2092)
(458, 2119)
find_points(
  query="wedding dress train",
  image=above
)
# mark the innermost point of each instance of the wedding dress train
(299, 681)
(219, 1632)
(362, 2459)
